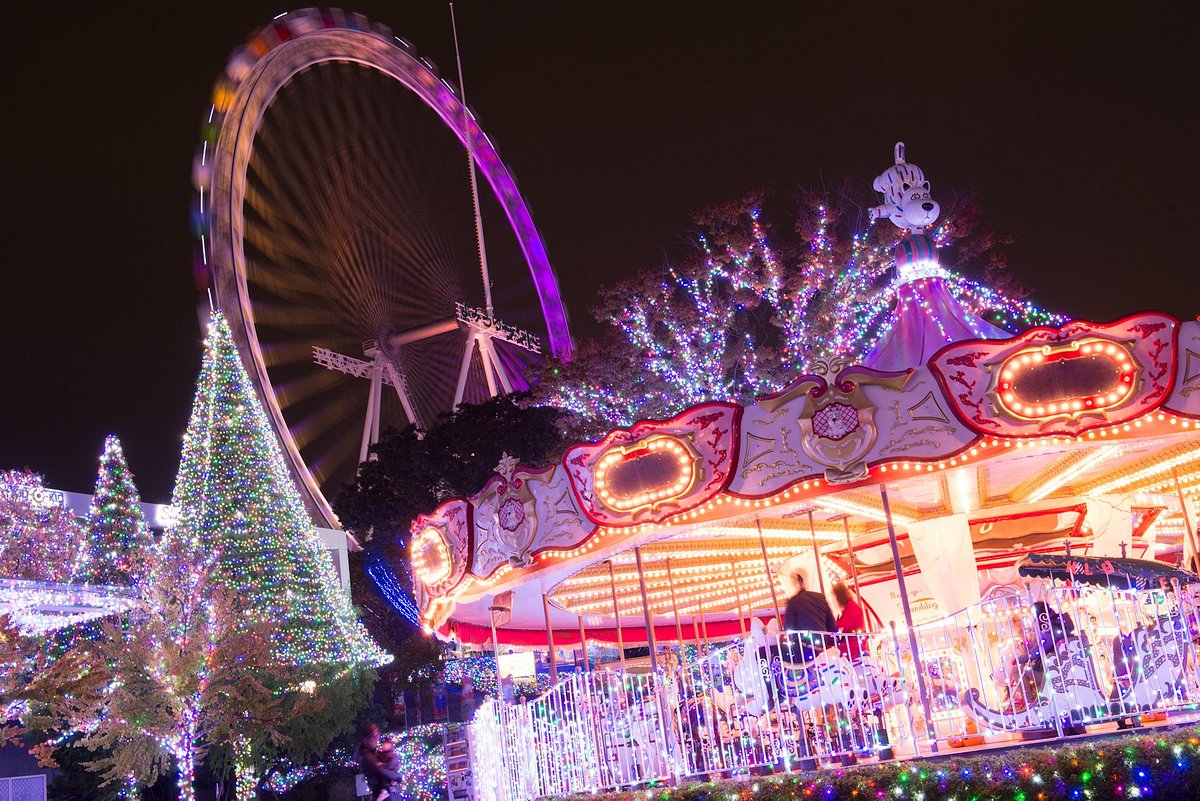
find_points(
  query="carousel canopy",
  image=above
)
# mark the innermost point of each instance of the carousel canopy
(1117, 573)
(991, 450)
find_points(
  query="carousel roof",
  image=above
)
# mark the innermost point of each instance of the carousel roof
(1087, 434)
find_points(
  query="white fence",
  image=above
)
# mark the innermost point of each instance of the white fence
(23, 788)
(787, 701)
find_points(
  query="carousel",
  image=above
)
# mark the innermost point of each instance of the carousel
(1015, 515)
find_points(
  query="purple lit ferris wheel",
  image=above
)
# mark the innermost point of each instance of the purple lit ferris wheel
(342, 237)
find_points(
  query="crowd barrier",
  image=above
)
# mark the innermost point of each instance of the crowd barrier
(1008, 667)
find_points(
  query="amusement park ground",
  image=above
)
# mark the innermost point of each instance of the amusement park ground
(1157, 760)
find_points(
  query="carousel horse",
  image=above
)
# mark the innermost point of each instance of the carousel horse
(830, 678)
(1159, 667)
(750, 674)
(1066, 681)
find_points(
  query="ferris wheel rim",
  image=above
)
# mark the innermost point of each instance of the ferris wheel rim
(253, 77)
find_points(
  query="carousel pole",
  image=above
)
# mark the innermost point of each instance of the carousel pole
(664, 710)
(550, 640)
(612, 581)
(495, 643)
(854, 570)
(812, 528)
(1187, 521)
(737, 591)
(587, 668)
(703, 624)
(651, 642)
(675, 610)
(908, 621)
(762, 542)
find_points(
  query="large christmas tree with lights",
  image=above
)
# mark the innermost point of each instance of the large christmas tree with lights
(238, 505)
(117, 549)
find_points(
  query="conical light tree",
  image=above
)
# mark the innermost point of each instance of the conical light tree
(119, 543)
(238, 505)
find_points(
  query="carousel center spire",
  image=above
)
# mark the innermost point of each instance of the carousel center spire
(928, 317)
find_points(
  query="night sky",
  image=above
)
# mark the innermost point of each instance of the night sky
(1076, 131)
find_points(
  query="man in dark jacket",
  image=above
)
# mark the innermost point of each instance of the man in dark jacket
(808, 619)
(808, 611)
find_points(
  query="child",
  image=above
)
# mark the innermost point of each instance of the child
(389, 761)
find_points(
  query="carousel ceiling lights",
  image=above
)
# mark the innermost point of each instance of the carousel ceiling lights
(1065, 477)
(1159, 463)
(839, 504)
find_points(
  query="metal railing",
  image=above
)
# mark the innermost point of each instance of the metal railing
(1007, 667)
(23, 788)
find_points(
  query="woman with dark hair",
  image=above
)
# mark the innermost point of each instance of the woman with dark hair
(850, 622)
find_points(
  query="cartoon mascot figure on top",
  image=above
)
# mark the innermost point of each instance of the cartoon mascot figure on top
(905, 194)
(908, 204)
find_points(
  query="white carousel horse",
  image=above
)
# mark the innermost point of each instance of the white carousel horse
(750, 674)
(1158, 674)
(1067, 686)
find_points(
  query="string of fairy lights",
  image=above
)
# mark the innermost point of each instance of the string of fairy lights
(392, 590)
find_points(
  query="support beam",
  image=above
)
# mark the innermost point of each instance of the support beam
(550, 640)
(489, 372)
(854, 572)
(651, 642)
(370, 424)
(401, 385)
(1188, 530)
(468, 352)
(918, 668)
(812, 527)
(412, 335)
(587, 668)
(762, 542)
(675, 610)
(612, 581)
(497, 367)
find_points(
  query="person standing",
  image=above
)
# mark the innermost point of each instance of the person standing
(850, 622)
(809, 622)
(808, 612)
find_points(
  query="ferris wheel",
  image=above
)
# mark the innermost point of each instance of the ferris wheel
(341, 233)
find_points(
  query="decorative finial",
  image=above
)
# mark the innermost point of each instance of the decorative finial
(905, 195)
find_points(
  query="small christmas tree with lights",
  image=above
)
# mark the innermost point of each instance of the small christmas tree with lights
(238, 504)
(118, 541)
(39, 537)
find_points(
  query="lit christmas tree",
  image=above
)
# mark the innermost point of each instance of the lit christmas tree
(118, 543)
(237, 504)
(39, 537)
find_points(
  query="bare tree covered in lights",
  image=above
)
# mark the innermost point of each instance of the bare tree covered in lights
(748, 307)
(184, 675)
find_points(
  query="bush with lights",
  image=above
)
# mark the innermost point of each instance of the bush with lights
(1165, 764)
